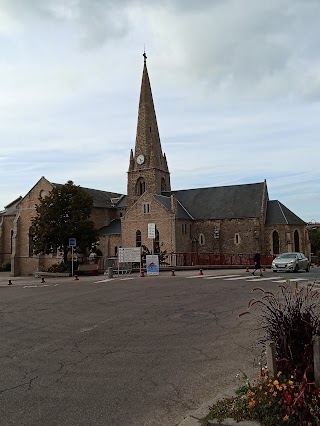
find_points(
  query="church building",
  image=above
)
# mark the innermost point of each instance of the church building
(230, 220)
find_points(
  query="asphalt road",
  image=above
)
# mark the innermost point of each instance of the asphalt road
(130, 351)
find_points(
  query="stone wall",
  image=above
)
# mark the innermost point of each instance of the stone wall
(228, 236)
(136, 219)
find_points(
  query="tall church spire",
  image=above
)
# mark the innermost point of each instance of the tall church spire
(147, 137)
(149, 164)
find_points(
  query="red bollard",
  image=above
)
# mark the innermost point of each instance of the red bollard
(43, 280)
(263, 269)
(200, 272)
(10, 282)
(76, 278)
(247, 270)
(173, 273)
(141, 274)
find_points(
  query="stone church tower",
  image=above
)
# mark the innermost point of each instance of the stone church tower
(148, 168)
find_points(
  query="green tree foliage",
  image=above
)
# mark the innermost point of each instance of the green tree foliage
(314, 235)
(64, 213)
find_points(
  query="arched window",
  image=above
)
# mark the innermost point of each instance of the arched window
(296, 240)
(156, 242)
(275, 242)
(201, 239)
(31, 240)
(163, 184)
(140, 186)
(138, 238)
(11, 241)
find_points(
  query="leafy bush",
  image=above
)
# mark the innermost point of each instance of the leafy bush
(281, 400)
(62, 267)
(5, 267)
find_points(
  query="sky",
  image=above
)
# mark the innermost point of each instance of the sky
(236, 88)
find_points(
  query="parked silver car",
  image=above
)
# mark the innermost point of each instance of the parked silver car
(290, 262)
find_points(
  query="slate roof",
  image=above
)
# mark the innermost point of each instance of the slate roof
(122, 202)
(11, 209)
(113, 228)
(278, 214)
(100, 198)
(223, 202)
(166, 202)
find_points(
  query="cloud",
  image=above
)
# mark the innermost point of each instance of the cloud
(253, 49)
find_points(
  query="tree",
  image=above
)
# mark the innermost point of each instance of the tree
(314, 235)
(64, 213)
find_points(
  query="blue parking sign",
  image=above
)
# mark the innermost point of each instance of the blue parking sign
(72, 242)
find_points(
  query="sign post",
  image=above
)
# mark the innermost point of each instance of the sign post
(72, 244)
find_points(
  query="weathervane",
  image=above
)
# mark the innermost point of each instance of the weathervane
(144, 54)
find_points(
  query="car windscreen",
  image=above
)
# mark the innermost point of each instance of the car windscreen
(287, 256)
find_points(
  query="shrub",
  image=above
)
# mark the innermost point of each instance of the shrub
(281, 400)
(290, 318)
(5, 267)
(62, 267)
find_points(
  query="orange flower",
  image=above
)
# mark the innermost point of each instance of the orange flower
(252, 403)
(274, 393)
(276, 382)
(285, 418)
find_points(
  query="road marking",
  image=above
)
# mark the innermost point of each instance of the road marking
(28, 286)
(250, 277)
(85, 329)
(292, 280)
(264, 279)
(55, 285)
(221, 276)
(44, 285)
(104, 281)
(126, 279)
(200, 276)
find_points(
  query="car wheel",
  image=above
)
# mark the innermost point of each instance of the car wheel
(296, 269)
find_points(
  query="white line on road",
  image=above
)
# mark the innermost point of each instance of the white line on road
(292, 280)
(28, 286)
(222, 277)
(247, 277)
(104, 281)
(199, 276)
(126, 279)
(264, 278)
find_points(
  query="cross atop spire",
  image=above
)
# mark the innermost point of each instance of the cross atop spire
(144, 55)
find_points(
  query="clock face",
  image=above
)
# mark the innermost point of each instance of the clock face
(140, 159)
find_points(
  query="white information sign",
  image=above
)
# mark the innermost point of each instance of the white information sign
(152, 230)
(129, 254)
(152, 264)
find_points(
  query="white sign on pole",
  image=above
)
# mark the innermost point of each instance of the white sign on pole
(152, 231)
(129, 254)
